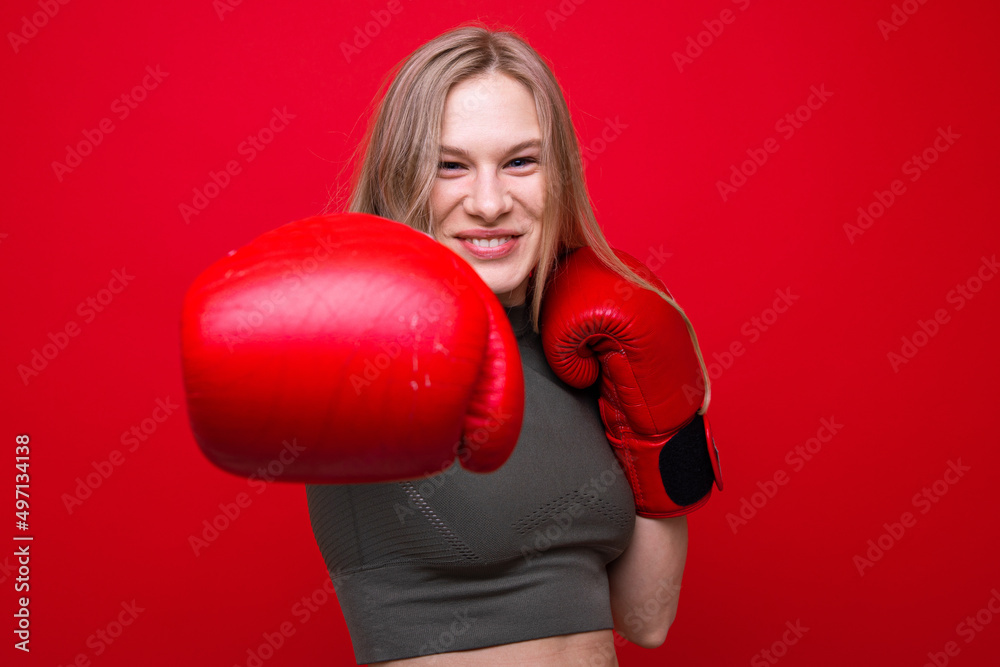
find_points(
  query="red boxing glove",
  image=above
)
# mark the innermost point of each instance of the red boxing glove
(376, 351)
(595, 323)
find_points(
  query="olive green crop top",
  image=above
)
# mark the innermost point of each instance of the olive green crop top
(463, 560)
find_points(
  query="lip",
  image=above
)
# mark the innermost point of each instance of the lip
(489, 253)
(485, 233)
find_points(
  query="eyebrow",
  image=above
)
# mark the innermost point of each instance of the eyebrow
(516, 148)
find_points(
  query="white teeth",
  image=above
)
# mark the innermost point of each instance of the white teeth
(490, 243)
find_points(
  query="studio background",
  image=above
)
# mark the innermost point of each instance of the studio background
(853, 351)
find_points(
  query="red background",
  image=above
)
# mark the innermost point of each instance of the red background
(655, 187)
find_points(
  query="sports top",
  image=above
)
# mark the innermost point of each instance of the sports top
(464, 560)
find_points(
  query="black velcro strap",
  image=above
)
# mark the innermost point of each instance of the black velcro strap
(685, 465)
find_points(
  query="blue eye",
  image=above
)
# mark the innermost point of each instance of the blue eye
(449, 165)
(524, 162)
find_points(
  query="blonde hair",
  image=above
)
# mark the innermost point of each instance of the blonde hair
(396, 164)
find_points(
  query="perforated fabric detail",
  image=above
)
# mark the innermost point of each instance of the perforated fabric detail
(392, 531)
(571, 503)
(442, 529)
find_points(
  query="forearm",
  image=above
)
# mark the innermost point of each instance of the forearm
(645, 580)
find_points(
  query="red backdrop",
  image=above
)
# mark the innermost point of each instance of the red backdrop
(813, 182)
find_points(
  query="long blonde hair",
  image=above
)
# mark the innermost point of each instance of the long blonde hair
(396, 164)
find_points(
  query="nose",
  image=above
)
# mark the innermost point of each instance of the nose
(488, 198)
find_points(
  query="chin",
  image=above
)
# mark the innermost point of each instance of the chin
(504, 292)
(501, 292)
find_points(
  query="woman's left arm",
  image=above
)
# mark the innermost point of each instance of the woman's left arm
(645, 581)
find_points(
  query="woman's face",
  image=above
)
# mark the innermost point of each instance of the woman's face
(488, 196)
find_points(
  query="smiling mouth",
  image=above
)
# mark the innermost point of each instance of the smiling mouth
(490, 243)
(495, 247)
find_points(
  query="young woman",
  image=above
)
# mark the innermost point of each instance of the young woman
(533, 564)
